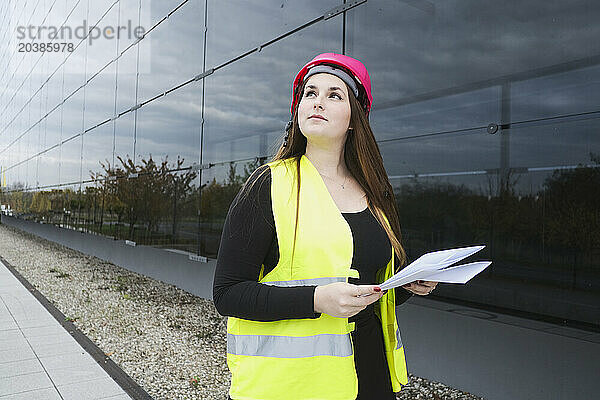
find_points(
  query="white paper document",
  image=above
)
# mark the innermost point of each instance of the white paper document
(435, 267)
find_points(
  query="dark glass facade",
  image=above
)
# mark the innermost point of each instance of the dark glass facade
(485, 113)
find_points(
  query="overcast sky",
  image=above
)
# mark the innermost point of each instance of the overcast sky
(435, 66)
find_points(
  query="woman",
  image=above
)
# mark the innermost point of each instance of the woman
(304, 244)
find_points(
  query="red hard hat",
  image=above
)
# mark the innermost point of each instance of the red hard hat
(351, 65)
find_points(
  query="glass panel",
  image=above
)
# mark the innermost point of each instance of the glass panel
(19, 199)
(75, 60)
(229, 23)
(455, 67)
(126, 78)
(570, 92)
(557, 171)
(23, 130)
(55, 97)
(17, 177)
(56, 17)
(452, 45)
(187, 226)
(249, 99)
(97, 151)
(429, 176)
(160, 9)
(469, 110)
(13, 171)
(178, 40)
(217, 195)
(101, 51)
(130, 11)
(442, 156)
(39, 131)
(168, 132)
(72, 118)
(66, 206)
(49, 167)
(169, 127)
(96, 12)
(146, 204)
(70, 163)
(552, 146)
(100, 98)
(123, 136)
(28, 166)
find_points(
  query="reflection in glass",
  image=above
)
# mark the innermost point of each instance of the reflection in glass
(169, 127)
(248, 101)
(97, 150)
(100, 97)
(573, 91)
(176, 41)
(126, 67)
(455, 45)
(217, 195)
(441, 73)
(49, 167)
(70, 163)
(123, 130)
(229, 23)
(449, 73)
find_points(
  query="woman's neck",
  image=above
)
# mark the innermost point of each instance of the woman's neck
(328, 162)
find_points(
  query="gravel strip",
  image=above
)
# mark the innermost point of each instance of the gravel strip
(170, 342)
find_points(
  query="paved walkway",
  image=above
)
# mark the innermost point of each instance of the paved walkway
(39, 359)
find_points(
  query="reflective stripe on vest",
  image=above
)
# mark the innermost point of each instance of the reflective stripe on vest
(398, 339)
(307, 282)
(290, 346)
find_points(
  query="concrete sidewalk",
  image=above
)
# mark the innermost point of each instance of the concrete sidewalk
(39, 359)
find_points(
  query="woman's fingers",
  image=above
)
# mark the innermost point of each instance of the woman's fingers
(421, 288)
(342, 299)
(363, 295)
(364, 290)
(430, 284)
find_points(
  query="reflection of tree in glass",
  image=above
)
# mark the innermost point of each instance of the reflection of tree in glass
(148, 203)
(17, 198)
(217, 197)
(573, 210)
(147, 193)
(556, 228)
(40, 204)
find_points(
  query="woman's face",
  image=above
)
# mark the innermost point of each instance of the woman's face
(325, 95)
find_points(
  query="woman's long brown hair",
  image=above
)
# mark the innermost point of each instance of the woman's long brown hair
(363, 160)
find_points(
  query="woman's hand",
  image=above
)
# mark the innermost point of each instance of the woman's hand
(422, 288)
(343, 299)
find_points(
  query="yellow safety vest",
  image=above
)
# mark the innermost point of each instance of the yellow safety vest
(307, 358)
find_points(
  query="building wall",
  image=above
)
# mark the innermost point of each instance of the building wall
(485, 114)
(490, 354)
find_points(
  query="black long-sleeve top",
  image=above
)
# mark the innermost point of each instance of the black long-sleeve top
(249, 240)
